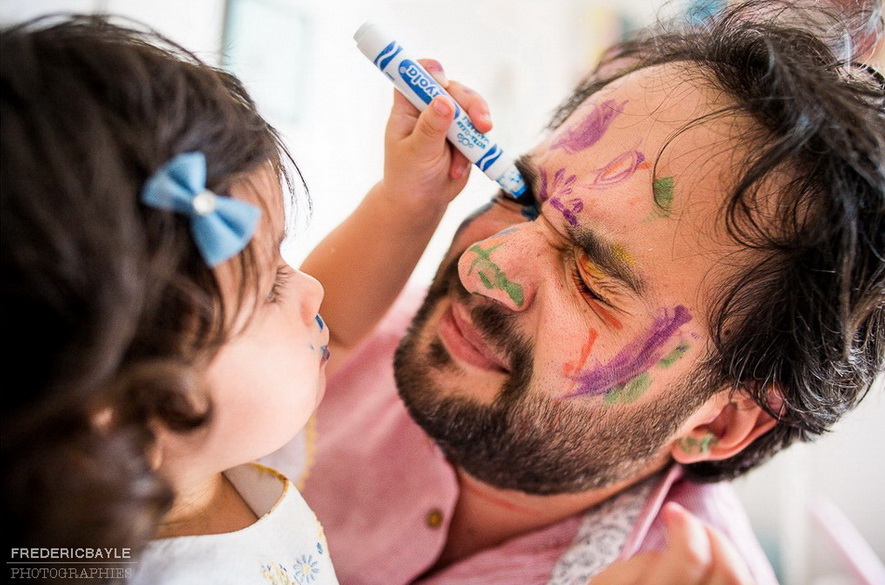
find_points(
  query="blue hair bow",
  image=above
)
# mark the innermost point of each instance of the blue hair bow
(221, 226)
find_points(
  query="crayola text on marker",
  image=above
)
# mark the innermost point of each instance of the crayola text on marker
(419, 87)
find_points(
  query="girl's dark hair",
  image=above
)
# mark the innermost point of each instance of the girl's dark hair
(108, 310)
(804, 320)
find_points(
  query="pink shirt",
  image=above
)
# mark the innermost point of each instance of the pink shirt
(385, 493)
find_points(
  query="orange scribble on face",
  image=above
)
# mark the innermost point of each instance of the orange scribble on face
(576, 366)
(590, 268)
(606, 315)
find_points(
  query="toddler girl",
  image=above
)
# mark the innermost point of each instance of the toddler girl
(157, 341)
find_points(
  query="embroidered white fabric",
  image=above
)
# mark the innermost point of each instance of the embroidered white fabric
(602, 535)
(286, 546)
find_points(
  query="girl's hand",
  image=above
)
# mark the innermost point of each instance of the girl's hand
(696, 555)
(423, 172)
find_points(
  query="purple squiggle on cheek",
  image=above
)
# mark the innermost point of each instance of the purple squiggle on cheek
(640, 355)
(590, 129)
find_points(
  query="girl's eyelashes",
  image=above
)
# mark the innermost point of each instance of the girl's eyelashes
(276, 290)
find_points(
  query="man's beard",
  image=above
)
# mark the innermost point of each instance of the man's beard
(527, 439)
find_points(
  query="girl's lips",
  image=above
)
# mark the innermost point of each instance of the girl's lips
(465, 344)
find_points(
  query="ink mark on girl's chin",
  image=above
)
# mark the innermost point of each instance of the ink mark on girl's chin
(590, 129)
(320, 322)
(326, 354)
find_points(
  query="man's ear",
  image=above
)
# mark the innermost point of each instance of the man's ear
(726, 426)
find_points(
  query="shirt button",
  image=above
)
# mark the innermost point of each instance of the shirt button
(434, 518)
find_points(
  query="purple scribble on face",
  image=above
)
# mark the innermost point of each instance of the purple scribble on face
(589, 130)
(619, 169)
(553, 191)
(640, 355)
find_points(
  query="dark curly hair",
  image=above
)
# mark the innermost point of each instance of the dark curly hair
(805, 317)
(108, 310)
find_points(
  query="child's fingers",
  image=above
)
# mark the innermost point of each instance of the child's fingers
(728, 566)
(688, 551)
(473, 103)
(636, 570)
(404, 113)
(433, 123)
(435, 68)
(699, 553)
(460, 165)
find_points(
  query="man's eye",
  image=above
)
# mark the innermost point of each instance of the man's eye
(584, 288)
(585, 270)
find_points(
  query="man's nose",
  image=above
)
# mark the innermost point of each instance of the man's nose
(502, 268)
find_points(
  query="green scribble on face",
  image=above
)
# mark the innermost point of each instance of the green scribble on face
(491, 275)
(702, 445)
(629, 392)
(672, 357)
(663, 194)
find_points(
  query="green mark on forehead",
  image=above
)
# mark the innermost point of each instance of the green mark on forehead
(663, 194)
(674, 356)
(492, 277)
(629, 392)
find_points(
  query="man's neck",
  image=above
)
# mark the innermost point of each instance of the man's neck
(486, 516)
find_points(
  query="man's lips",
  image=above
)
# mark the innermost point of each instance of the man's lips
(465, 343)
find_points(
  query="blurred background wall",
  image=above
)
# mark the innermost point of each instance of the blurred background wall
(300, 62)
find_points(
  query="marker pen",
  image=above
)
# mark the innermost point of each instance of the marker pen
(419, 87)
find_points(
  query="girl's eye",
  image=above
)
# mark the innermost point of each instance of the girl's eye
(276, 290)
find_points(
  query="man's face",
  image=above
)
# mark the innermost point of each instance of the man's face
(553, 353)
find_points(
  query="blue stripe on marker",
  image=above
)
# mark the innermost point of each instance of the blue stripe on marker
(489, 158)
(382, 61)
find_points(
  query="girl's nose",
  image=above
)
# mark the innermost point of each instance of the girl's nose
(311, 294)
(502, 268)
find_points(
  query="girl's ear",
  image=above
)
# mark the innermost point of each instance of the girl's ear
(727, 429)
(103, 420)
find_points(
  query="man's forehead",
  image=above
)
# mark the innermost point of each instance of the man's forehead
(665, 97)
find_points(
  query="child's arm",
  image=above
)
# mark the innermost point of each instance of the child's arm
(365, 262)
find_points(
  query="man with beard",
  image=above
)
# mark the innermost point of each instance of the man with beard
(694, 283)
